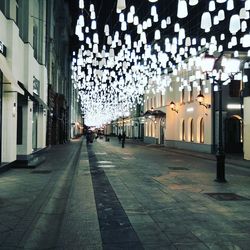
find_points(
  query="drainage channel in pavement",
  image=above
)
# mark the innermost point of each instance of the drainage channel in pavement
(115, 227)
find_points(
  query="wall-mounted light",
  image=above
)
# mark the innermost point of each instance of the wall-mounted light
(173, 107)
(200, 99)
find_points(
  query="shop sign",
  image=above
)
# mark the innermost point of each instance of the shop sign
(2, 48)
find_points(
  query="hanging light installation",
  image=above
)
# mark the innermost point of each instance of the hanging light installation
(182, 10)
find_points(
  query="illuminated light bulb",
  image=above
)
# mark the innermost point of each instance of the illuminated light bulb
(106, 29)
(230, 5)
(153, 10)
(193, 2)
(157, 35)
(211, 6)
(121, 5)
(177, 27)
(144, 25)
(93, 25)
(168, 20)
(163, 24)
(222, 37)
(81, 4)
(139, 29)
(206, 22)
(149, 22)
(121, 17)
(234, 25)
(243, 26)
(136, 20)
(92, 15)
(182, 10)
(155, 18)
(153, 1)
(246, 41)
(124, 26)
(132, 9)
(247, 5)
(216, 20)
(243, 13)
(130, 17)
(221, 15)
(81, 20)
(221, 1)
(91, 8)
(96, 38)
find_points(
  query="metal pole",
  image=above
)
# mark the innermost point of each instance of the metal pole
(220, 155)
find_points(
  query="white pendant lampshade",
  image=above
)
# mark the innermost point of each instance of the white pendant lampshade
(157, 35)
(211, 6)
(206, 21)
(230, 4)
(234, 25)
(216, 20)
(163, 24)
(124, 26)
(193, 2)
(81, 4)
(247, 5)
(246, 41)
(121, 4)
(153, 1)
(221, 15)
(221, 1)
(182, 10)
(136, 20)
(243, 26)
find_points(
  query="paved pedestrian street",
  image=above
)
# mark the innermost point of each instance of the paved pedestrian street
(102, 196)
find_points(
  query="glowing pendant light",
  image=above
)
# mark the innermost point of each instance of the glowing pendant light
(211, 6)
(221, 1)
(153, 1)
(230, 4)
(182, 10)
(81, 4)
(234, 25)
(193, 2)
(206, 21)
(121, 5)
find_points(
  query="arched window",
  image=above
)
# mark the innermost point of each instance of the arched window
(202, 130)
(183, 136)
(191, 130)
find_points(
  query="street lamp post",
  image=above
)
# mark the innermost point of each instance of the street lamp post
(208, 66)
(220, 154)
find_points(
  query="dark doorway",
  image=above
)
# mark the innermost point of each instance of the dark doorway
(234, 135)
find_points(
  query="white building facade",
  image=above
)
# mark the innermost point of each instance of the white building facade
(23, 78)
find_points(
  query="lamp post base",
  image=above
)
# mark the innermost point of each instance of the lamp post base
(220, 167)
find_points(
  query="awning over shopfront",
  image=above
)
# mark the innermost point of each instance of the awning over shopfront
(155, 113)
(9, 81)
(34, 97)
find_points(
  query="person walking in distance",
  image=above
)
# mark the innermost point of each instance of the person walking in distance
(123, 138)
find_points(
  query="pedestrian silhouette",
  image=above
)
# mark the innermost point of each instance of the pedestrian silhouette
(123, 139)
